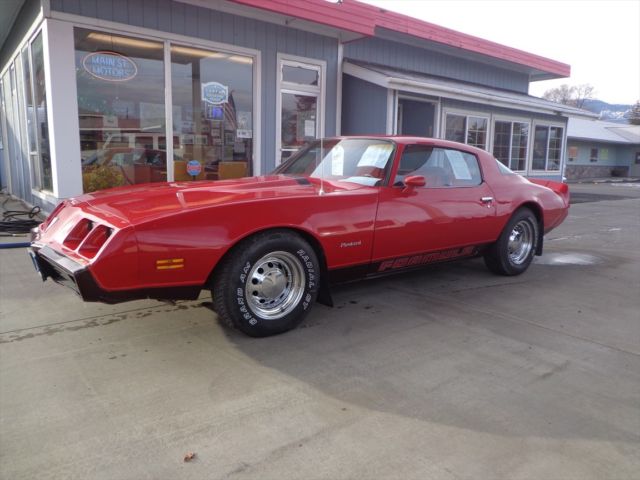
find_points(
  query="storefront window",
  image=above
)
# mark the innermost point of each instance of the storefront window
(212, 104)
(121, 109)
(40, 99)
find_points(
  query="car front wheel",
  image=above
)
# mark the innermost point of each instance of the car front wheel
(514, 250)
(267, 284)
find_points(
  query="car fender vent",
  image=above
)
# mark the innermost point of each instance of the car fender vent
(94, 241)
(78, 234)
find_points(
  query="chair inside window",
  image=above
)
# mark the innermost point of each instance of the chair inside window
(228, 170)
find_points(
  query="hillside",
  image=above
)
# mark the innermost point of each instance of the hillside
(610, 112)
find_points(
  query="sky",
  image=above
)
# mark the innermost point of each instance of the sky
(600, 39)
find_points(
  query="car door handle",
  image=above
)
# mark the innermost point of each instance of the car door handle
(486, 199)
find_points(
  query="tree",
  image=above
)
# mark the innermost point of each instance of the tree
(573, 95)
(634, 114)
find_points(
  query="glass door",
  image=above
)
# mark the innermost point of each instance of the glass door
(300, 107)
(299, 121)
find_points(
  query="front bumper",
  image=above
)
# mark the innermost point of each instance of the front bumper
(78, 277)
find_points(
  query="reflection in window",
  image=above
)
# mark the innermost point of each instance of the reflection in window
(212, 96)
(42, 126)
(28, 99)
(121, 109)
(298, 120)
(300, 75)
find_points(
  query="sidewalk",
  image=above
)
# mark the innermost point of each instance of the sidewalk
(605, 180)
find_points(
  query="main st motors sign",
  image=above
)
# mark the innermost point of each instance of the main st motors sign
(110, 66)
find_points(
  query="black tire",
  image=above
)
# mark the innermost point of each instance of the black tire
(514, 250)
(267, 284)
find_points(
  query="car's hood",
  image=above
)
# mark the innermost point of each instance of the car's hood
(149, 201)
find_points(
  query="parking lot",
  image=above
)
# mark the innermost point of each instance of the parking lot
(445, 373)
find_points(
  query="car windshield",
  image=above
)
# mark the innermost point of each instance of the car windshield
(358, 160)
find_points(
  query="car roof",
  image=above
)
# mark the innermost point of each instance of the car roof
(407, 140)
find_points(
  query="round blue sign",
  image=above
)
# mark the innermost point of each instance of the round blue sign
(214, 93)
(194, 168)
(110, 66)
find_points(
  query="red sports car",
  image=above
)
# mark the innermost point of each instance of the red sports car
(268, 247)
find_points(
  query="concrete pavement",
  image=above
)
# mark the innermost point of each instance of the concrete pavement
(446, 373)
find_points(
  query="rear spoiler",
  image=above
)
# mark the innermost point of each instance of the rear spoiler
(560, 188)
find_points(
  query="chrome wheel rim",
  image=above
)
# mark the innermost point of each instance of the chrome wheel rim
(275, 285)
(521, 241)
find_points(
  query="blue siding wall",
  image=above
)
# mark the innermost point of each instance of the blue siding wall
(406, 57)
(617, 155)
(364, 107)
(619, 161)
(270, 39)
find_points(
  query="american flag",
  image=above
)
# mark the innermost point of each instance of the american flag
(230, 122)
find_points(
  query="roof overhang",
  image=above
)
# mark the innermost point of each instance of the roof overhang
(363, 20)
(10, 10)
(598, 140)
(535, 70)
(436, 87)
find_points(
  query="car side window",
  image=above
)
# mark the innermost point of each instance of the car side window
(441, 167)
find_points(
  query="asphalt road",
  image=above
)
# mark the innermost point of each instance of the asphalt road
(447, 373)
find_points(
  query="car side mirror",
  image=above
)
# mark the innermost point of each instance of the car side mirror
(413, 181)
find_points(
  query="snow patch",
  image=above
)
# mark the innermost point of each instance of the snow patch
(568, 258)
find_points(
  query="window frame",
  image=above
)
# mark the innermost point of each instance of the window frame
(512, 120)
(444, 149)
(169, 42)
(594, 154)
(467, 114)
(563, 145)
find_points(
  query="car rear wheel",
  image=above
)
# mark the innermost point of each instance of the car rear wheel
(267, 284)
(514, 251)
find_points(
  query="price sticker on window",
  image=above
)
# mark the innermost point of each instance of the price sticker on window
(458, 165)
(376, 155)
